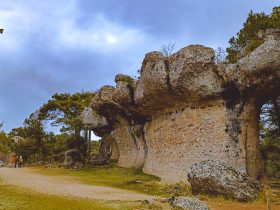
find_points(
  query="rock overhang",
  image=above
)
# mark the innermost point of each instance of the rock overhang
(191, 80)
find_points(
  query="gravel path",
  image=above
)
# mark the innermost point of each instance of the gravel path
(64, 186)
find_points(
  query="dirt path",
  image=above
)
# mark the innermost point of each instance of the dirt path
(64, 186)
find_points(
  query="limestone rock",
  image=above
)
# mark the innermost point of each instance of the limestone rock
(103, 97)
(152, 90)
(193, 73)
(186, 109)
(189, 203)
(131, 144)
(123, 93)
(109, 148)
(215, 177)
(92, 119)
(259, 71)
(96, 122)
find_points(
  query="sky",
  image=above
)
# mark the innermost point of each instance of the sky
(79, 45)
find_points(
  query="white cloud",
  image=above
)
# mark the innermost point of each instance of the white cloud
(24, 20)
(57, 23)
(101, 35)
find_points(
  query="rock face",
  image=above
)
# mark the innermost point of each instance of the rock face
(153, 86)
(186, 109)
(189, 203)
(193, 73)
(215, 177)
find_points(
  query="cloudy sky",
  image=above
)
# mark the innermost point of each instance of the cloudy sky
(73, 45)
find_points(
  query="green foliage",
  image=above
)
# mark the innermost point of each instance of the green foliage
(6, 143)
(65, 109)
(114, 176)
(94, 147)
(247, 35)
(127, 79)
(253, 45)
(270, 137)
(29, 138)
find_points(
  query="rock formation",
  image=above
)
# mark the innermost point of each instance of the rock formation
(185, 109)
(215, 177)
(189, 203)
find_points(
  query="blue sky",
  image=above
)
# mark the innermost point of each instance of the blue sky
(73, 45)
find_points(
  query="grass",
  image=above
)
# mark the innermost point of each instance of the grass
(16, 198)
(114, 176)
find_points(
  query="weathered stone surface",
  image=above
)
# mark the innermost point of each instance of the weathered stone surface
(96, 122)
(179, 137)
(109, 147)
(185, 109)
(189, 203)
(193, 73)
(259, 71)
(123, 93)
(152, 90)
(92, 119)
(132, 147)
(103, 98)
(216, 177)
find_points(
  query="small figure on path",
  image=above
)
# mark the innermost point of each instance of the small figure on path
(20, 161)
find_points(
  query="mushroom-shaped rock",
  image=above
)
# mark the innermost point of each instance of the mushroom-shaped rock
(152, 90)
(216, 177)
(259, 71)
(193, 73)
(123, 93)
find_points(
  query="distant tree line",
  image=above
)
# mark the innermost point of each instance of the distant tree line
(35, 143)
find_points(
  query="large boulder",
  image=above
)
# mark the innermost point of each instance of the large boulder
(215, 177)
(153, 90)
(103, 98)
(193, 73)
(189, 203)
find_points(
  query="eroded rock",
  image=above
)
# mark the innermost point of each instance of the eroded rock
(124, 91)
(193, 73)
(189, 203)
(186, 109)
(153, 91)
(215, 177)
(259, 72)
